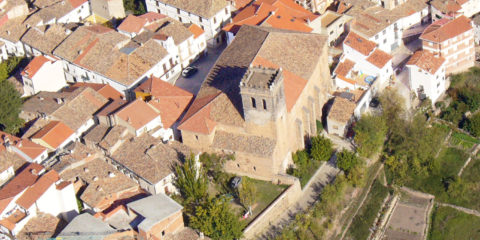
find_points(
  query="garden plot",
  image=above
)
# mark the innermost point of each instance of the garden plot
(409, 218)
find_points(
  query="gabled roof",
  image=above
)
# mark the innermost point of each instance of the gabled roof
(203, 8)
(426, 61)
(282, 14)
(54, 134)
(132, 24)
(441, 30)
(27, 177)
(26, 146)
(195, 30)
(359, 43)
(342, 109)
(137, 114)
(219, 100)
(103, 89)
(169, 100)
(34, 66)
(447, 6)
(34, 192)
(343, 68)
(379, 58)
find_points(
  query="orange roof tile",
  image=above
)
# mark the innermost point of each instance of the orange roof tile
(426, 61)
(344, 67)
(32, 68)
(360, 44)
(27, 177)
(103, 89)
(379, 58)
(137, 114)
(342, 109)
(152, 16)
(54, 134)
(28, 147)
(33, 193)
(132, 24)
(200, 121)
(169, 100)
(196, 30)
(77, 3)
(6, 223)
(440, 31)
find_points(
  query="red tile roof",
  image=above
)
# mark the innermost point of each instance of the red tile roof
(283, 14)
(152, 16)
(54, 134)
(442, 30)
(77, 3)
(32, 68)
(360, 44)
(28, 147)
(132, 24)
(103, 89)
(344, 67)
(169, 100)
(195, 30)
(426, 60)
(33, 193)
(379, 58)
(137, 114)
(27, 177)
(201, 120)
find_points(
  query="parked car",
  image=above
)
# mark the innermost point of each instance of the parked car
(375, 102)
(189, 71)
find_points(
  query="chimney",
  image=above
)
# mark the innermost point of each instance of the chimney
(111, 174)
(34, 172)
(59, 100)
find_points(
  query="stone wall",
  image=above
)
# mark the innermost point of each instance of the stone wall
(274, 210)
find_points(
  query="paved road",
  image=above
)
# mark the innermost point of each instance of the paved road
(204, 64)
(311, 192)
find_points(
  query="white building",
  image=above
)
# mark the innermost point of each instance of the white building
(426, 74)
(210, 15)
(33, 191)
(43, 74)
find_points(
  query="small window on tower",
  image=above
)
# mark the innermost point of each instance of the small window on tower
(254, 104)
(264, 104)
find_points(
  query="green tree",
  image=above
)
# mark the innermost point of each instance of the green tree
(456, 188)
(473, 125)
(321, 148)
(215, 219)
(347, 160)
(393, 106)
(136, 7)
(191, 180)
(247, 192)
(10, 107)
(370, 133)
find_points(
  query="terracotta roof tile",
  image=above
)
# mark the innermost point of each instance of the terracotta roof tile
(104, 89)
(28, 147)
(32, 68)
(132, 24)
(169, 100)
(137, 114)
(27, 177)
(342, 109)
(344, 67)
(379, 58)
(359, 43)
(34, 192)
(152, 16)
(54, 134)
(426, 61)
(196, 30)
(204, 8)
(440, 31)
(44, 225)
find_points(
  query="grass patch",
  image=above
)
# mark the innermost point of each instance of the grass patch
(319, 126)
(367, 214)
(442, 129)
(266, 193)
(448, 163)
(449, 223)
(463, 140)
(471, 178)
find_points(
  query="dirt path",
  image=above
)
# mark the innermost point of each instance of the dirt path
(472, 154)
(465, 210)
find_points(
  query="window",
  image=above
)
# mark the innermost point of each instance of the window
(340, 25)
(178, 10)
(376, 37)
(385, 41)
(438, 85)
(254, 104)
(179, 19)
(254, 168)
(264, 104)
(164, 67)
(200, 19)
(171, 62)
(331, 32)
(196, 137)
(226, 11)
(214, 20)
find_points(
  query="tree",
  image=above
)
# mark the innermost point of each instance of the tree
(321, 148)
(347, 160)
(215, 219)
(473, 125)
(10, 107)
(136, 7)
(191, 180)
(393, 106)
(370, 133)
(247, 192)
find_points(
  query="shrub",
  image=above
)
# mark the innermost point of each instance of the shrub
(321, 148)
